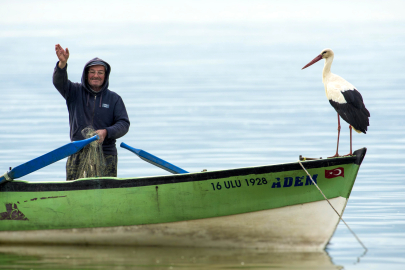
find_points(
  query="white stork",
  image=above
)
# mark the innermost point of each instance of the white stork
(344, 97)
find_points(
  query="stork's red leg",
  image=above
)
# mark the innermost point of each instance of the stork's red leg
(350, 127)
(337, 147)
(350, 154)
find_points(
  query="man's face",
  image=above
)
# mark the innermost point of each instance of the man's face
(96, 77)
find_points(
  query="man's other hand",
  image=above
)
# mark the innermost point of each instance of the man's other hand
(102, 133)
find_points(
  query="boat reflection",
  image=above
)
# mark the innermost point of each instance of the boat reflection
(85, 257)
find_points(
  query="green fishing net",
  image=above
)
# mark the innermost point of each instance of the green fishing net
(92, 161)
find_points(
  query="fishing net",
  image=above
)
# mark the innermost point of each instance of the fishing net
(92, 161)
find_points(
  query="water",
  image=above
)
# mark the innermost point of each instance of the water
(159, 258)
(218, 96)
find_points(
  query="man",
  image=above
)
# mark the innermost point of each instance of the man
(91, 103)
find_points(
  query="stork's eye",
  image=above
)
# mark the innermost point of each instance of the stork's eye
(324, 52)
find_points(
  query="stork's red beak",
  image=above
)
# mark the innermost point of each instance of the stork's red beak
(316, 59)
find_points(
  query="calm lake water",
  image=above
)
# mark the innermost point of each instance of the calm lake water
(218, 96)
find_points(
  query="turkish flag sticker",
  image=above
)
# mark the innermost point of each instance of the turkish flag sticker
(335, 173)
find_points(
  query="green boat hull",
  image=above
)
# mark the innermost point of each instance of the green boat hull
(194, 198)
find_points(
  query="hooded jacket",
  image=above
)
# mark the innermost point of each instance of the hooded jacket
(102, 110)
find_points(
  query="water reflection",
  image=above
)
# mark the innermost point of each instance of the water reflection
(80, 257)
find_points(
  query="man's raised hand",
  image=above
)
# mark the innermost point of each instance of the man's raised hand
(63, 55)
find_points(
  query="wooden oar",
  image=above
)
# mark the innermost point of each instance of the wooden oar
(45, 160)
(154, 160)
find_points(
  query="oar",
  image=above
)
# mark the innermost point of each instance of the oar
(45, 160)
(154, 160)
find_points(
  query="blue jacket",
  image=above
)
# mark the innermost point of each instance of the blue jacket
(102, 110)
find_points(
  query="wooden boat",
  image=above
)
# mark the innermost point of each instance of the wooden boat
(266, 207)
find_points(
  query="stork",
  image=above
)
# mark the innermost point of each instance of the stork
(344, 97)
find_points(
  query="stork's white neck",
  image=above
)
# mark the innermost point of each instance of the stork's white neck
(326, 68)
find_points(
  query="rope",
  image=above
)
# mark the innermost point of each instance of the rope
(340, 217)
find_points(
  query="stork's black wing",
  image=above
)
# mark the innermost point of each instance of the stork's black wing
(353, 111)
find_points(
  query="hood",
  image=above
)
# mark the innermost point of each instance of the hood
(84, 76)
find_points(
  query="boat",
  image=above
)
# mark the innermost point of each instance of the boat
(274, 207)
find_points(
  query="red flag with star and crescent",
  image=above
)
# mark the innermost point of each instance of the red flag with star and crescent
(335, 173)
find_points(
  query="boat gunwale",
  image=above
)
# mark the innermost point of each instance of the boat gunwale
(108, 183)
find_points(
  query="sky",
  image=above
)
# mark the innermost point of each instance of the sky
(207, 11)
